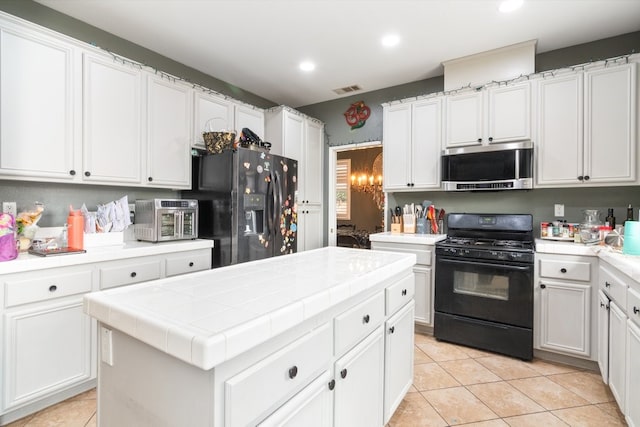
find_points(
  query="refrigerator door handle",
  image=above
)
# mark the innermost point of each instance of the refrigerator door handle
(277, 201)
(271, 206)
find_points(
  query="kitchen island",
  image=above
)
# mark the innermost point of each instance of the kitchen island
(322, 337)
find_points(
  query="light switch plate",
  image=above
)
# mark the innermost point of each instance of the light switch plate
(558, 210)
(10, 207)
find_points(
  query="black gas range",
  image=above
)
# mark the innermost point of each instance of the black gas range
(484, 283)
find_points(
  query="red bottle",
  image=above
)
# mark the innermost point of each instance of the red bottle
(75, 229)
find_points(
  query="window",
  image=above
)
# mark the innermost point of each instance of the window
(343, 189)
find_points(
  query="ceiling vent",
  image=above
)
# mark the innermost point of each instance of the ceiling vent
(347, 89)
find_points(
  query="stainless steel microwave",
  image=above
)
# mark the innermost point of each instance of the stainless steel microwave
(507, 166)
(161, 220)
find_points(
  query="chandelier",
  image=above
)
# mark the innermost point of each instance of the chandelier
(370, 182)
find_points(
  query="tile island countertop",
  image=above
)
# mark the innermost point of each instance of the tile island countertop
(209, 317)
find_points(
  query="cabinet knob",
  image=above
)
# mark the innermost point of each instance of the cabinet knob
(332, 384)
(293, 371)
(343, 373)
(408, 184)
(479, 139)
(490, 139)
(542, 286)
(87, 173)
(191, 264)
(412, 184)
(72, 172)
(563, 270)
(404, 292)
(580, 178)
(133, 274)
(150, 179)
(53, 288)
(636, 310)
(607, 284)
(392, 329)
(366, 318)
(587, 177)
(601, 304)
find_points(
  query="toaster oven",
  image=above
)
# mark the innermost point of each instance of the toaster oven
(161, 220)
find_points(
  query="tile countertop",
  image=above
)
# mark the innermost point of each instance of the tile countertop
(417, 239)
(628, 264)
(211, 316)
(28, 262)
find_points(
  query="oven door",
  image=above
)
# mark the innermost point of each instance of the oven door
(486, 290)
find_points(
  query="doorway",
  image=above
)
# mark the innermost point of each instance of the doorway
(333, 161)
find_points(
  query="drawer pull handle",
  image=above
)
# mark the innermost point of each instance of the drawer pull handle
(563, 270)
(607, 284)
(636, 310)
(542, 286)
(404, 292)
(332, 384)
(293, 372)
(392, 329)
(366, 318)
(53, 288)
(133, 274)
(343, 373)
(191, 264)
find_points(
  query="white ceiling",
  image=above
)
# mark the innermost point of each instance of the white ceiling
(258, 44)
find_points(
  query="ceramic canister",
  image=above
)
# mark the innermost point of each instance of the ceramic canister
(631, 238)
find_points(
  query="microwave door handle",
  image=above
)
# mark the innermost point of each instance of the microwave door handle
(176, 224)
(517, 159)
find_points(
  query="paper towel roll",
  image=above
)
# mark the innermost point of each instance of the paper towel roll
(631, 238)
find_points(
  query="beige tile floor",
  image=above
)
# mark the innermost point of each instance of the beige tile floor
(453, 385)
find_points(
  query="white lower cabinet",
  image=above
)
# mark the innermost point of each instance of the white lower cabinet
(309, 227)
(359, 377)
(312, 407)
(563, 305)
(632, 409)
(47, 348)
(617, 344)
(398, 358)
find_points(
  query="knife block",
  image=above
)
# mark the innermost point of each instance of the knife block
(409, 224)
(396, 228)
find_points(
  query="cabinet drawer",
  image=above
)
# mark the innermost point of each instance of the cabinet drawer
(52, 285)
(187, 262)
(568, 270)
(633, 306)
(119, 274)
(614, 286)
(358, 322)
(399, 293)
(423, 253)
(256, 391)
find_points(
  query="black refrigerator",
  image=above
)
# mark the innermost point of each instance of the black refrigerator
(246, 201)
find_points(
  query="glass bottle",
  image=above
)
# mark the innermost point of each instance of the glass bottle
(590, 227)
(611, 220)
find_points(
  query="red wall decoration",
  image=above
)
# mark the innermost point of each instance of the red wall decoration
(357, 115)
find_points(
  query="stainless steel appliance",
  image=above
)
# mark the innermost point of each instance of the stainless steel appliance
(484, 283)
(161, 220)
(494, 167)
(247, 204)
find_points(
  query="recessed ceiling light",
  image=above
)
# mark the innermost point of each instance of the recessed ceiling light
(510, 5)
(307, 66)
(390, 40)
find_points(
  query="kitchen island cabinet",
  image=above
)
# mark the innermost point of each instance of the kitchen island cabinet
(271, 341)
(47, 343)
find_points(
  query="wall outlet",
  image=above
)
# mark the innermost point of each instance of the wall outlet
(10, 207)
(558, 210)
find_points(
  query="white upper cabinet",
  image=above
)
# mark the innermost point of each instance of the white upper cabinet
(313, 154)
(610, 125)
(210, 112)
(497, 114)
(168, 133)
(112, 121)
(412, 143)
(587, 128)
(251, 118)
(39, 92)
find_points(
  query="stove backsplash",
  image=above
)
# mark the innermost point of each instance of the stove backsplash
(537, 202)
